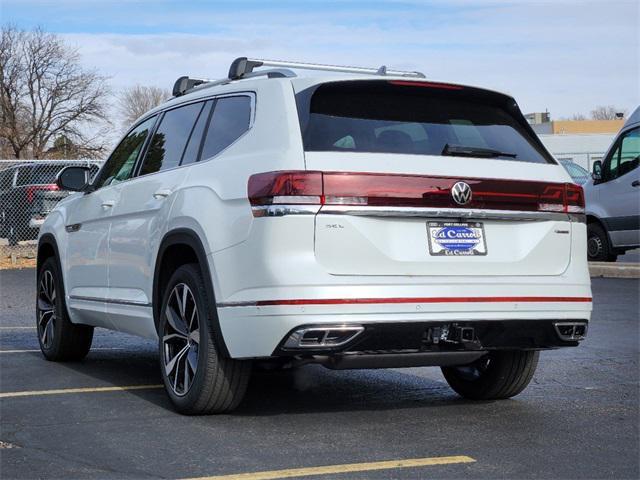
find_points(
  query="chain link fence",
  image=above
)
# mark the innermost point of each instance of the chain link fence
(28, 192)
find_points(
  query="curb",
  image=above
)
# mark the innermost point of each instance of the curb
(614, 270)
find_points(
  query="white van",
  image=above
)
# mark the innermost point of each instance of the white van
(613, 196)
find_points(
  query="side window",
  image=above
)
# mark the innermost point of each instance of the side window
(610, 168)
(5, 179)
(193, 146)
(120, 165)
(170, 138)
(629, 152)
(625, 156)
(231, 118)
(24, 176)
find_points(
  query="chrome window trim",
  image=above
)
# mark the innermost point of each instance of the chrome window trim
(159, 113)
(429, 212)
(416, 212)
(214, 98)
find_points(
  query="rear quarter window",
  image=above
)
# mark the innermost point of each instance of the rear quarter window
(231, 118)
(405, 118)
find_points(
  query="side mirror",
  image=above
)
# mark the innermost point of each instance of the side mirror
(75, 179)
(596, 172)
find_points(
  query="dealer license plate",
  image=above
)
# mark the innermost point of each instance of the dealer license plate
(456, 238)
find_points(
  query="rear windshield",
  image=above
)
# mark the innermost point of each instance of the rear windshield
(401, 117)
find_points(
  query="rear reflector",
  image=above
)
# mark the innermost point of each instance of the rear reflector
(374, 189)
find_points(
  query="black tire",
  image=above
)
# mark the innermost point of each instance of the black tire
(497, 375)
(217, 384)
(598, 245)
(59, 339)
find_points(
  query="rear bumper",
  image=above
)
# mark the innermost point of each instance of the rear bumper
(254, 331)
(393, 345)
(416, 337)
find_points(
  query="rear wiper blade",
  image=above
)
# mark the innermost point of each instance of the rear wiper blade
(461, 151)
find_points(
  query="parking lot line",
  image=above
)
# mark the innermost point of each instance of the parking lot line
(345, 468)
(17, 328)
(61, 391)
(20, 351)
(38, 350)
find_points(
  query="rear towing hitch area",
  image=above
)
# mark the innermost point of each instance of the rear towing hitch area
(451, 335)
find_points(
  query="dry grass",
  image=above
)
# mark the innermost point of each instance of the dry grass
(19, 258)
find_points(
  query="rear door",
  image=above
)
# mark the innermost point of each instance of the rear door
(140, 216)
(433, 179)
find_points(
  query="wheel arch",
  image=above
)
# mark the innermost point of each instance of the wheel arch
(47, 247)
(178, 247)
(591, 218)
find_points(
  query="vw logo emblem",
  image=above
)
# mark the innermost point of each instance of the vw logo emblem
(461, 193)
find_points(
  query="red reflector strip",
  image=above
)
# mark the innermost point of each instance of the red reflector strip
(444, 86)
(361, 301)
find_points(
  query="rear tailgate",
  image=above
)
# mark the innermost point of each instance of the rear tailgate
(391, 155)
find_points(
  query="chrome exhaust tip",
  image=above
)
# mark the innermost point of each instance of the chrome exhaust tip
(571, 331)
(322, 337)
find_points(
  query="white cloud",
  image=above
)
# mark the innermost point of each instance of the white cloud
(566, 56)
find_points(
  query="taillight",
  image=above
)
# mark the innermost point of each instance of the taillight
(574, 198)
(286, 187)
(393, 190)
(32, 189)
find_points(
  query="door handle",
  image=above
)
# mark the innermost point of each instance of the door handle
(163, 193)
(635, 183)
(108, 204)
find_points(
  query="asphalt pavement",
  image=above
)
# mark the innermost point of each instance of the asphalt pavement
(578, 419)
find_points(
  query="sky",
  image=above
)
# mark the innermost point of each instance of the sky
(567, 56)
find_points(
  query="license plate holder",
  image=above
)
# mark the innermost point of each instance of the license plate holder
(456, 239)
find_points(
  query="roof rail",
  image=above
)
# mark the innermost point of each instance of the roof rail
(186, 84)
(243, 66)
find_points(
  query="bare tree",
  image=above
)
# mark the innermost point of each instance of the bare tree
(46, 93)
(608, 112)
(135, 101)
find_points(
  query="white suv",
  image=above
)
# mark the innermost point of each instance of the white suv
(366, 221)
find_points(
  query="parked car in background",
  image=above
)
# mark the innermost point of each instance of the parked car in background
(578, 174)
(374, 221)
(613, 196)
(28, 192)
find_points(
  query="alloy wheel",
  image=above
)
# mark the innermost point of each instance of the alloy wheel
(181, 339)
(594, 246)
(46, 309)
